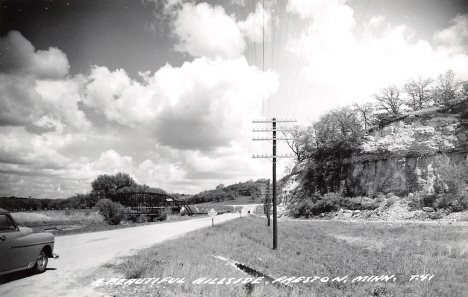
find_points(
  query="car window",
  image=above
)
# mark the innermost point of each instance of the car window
(6, 223)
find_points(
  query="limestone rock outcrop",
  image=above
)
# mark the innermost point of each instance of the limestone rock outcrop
(400, 157)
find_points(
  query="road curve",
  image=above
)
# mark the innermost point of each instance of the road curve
(81, 254)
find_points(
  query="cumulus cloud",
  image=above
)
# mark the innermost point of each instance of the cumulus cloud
(201, 105)
(206, 31)
(18, 102)
(34, 84)
(76, 176)
(255, 24)
(454, 38)
(18, 56)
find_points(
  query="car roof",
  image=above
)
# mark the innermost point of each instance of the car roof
(3, 211)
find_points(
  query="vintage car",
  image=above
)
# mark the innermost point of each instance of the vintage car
(20, 249)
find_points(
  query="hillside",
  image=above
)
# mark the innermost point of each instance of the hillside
(396, 158)
(230, 194)
(399, 158)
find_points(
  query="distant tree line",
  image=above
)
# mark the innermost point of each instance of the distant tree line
(221, 193)
(104, 186)
(79, 201)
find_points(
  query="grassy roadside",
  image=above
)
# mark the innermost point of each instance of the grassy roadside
(323, 249)
(240, 200)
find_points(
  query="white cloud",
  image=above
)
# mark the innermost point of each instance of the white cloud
(201, 105)
(317, 9)
(34, 84)
(165, 175)
(110, 161)
(376, 21)
(206, 31)
(60, 99)
(19, 57)
(454, 38)
(255, 23)
(19, 103)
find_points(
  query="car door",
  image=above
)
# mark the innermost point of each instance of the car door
(9, 234)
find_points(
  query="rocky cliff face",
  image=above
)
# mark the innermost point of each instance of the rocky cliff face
(400, 157)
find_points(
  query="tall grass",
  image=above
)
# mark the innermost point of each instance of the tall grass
(307, 249)
(56, 217)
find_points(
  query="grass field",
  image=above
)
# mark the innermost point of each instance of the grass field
(53, 217)
(74, 221)
(319, 251)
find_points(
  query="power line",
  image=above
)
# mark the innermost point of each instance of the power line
(274, 129)
(362, 15)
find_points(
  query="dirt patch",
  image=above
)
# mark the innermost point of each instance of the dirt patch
(361, 241)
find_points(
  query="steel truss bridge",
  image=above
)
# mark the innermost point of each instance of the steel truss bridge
(151, 205)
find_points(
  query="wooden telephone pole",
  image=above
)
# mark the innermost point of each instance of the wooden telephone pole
(274, 129)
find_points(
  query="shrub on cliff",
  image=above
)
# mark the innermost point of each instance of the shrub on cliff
(454, 176)
(451, 202)
(303, 209)
(112, 212)
(325, 205)
(359, 203)
(331, 202)
(455, 179)
(416, 200)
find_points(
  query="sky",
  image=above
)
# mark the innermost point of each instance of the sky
(166, 90)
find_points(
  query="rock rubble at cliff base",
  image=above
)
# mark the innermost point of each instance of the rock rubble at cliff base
(398, 211)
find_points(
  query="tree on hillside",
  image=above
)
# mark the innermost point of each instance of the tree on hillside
(304, 142)
(366, 112)
(338, 128)
(337, 134)
(389, 100)
(464, 91)
(111, 184)
(419, 92)
(445, 91)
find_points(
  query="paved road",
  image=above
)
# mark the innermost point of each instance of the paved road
(81, 254)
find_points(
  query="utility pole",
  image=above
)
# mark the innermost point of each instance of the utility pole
(274, 129)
